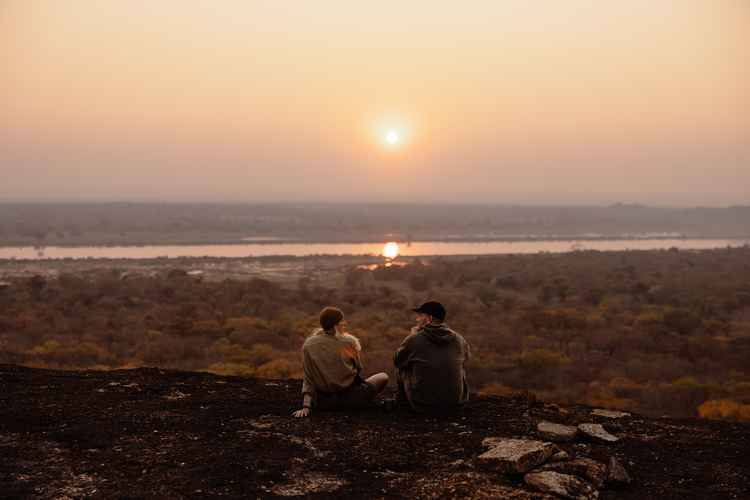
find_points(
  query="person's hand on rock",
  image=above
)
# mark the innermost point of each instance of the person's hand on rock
(304, 412)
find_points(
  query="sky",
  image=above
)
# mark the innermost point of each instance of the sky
(500, 101)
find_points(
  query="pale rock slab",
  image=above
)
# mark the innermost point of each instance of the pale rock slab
(595, 472)
(609, 413)
(491, 442)
(518, 455)
(596, 431)
(563, 485)
(556, 432)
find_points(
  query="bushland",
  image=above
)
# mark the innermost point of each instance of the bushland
(658, 332)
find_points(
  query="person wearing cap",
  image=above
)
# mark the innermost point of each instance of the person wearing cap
(430, 363)
(333, 368)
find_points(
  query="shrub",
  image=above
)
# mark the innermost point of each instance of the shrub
(279, 368)
(230, 368)
(724, 409)
(208, 327)
(541, 359)
(495, 389)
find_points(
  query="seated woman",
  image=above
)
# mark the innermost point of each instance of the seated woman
(333, 369)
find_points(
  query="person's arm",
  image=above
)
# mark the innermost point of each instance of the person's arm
(358, 355)
(308, 389)
(355, 341)
(403, 353)
(355, 351)
(358, 363)
(467, 357)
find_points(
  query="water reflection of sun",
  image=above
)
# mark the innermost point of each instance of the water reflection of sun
(390, 250)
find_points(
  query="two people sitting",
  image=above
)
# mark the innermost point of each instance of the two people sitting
(429, 366)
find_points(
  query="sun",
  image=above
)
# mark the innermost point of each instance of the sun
(392, 137)
(390, 250)
(393, 132)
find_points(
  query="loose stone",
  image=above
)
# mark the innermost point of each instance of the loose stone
(596, 431)
(595, 472)
(517, 455)
(563, 485)
(556, 432)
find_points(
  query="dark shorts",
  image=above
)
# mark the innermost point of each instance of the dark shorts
(358, 395)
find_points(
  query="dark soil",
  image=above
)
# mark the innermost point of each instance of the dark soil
(151, 433)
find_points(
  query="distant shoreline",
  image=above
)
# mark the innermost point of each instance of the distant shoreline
(431, 248)
(75, 226)
(373, 241)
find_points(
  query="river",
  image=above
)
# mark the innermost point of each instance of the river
(421, 248)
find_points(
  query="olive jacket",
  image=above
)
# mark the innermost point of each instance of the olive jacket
(430, 365)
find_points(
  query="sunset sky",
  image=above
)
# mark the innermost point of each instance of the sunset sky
(502, 101)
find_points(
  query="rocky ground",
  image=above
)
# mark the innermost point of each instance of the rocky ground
(152, 433)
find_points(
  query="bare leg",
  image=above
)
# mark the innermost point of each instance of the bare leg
(379, 381)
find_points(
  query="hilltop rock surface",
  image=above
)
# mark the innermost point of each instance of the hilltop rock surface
(151, 433)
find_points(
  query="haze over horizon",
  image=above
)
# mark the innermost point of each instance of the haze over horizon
(509, 102)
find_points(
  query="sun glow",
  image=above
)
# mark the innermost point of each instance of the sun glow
(392, 132)
(390, 250)
(392, 137)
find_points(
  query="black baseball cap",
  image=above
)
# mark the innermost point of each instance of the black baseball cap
(434, 309)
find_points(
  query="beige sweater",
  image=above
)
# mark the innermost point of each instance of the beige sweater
(331, 362)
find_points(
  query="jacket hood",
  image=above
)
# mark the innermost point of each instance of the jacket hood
(439, 334)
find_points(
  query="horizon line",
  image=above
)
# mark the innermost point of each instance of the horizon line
(555, 204)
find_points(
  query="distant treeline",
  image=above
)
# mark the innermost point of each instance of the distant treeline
(143, 223)
(659, 332)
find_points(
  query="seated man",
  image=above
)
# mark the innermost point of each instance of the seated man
(430, 363)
